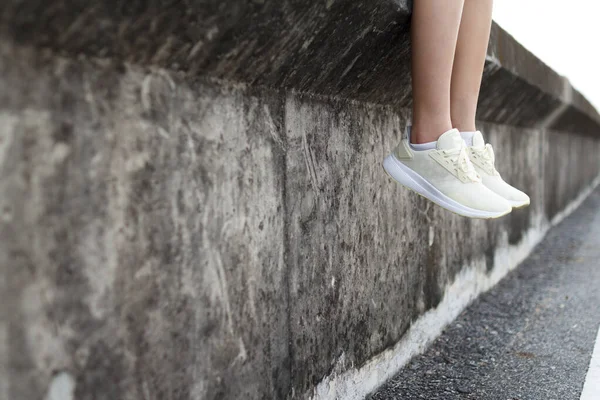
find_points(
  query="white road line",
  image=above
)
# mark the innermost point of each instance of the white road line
(591, 388)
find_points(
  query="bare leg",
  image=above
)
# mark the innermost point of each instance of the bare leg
(435, 26)
(469, 61)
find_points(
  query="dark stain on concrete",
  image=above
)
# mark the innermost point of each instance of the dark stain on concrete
(433, 290)
(102, 375)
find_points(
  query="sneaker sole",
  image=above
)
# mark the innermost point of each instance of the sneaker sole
(415, 182)
(518, 204)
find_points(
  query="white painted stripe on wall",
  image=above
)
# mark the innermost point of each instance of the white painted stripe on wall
(591, 388)
(356, 383)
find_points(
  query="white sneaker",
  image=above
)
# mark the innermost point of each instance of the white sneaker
(445, 176)
(482, 157)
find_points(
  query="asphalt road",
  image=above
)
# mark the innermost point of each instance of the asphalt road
(530, 337)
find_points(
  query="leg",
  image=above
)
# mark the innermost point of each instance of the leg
(435, 26)
(469, 60)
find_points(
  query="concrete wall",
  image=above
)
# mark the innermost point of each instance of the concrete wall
(207, 231)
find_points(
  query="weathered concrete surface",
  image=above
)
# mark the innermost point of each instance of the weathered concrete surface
(519, 89)
(226, 231)
(333, 47)
(136, 248)
(168, 239)
(351, 49)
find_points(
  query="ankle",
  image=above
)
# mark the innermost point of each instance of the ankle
(464, 125)
(425, 133)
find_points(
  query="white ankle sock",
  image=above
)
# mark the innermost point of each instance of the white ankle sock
(468, 137)
(423, 146)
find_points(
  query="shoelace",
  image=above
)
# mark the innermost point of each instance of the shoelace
(486, 155)
(464, 166)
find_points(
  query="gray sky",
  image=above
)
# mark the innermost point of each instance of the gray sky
(565, 35)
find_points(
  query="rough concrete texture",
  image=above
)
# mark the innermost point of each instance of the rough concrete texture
(168, 233)
(163, 238)
(142, 226)
(333, 47)
(351, 49)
